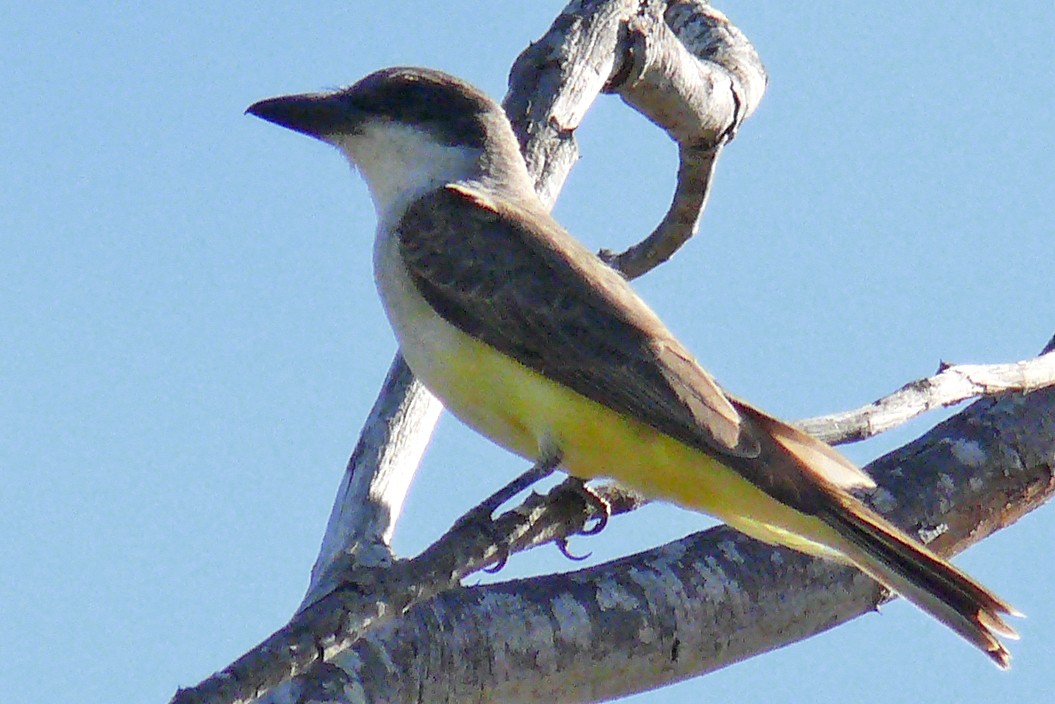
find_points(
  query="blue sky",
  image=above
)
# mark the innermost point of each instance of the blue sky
(190, 338)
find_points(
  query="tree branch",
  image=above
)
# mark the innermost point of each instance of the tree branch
(953, 497)
(376, 481)
(711, 599)
(952, 384)
(697, 77)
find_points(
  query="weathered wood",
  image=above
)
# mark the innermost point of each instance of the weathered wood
(952, 384)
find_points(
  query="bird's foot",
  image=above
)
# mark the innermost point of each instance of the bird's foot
(481, 515)
(599, 506)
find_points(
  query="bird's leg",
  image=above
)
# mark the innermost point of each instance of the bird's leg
(538, 471)
(481, 514)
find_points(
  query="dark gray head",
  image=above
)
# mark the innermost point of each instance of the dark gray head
(454, 112)
(409, 130)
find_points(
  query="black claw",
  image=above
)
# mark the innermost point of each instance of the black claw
(600, 505)
(602, 523)
(562, 545)
(503, 558)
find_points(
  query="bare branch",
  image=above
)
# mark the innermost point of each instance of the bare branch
(555, 81)
(711, 599)
(942, 501)
(951, 385)
(370, 594)
(695, 168)
(376, 481)
(696, 76)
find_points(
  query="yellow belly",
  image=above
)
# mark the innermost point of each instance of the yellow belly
(529, 414)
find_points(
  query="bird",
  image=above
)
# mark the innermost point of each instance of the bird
(529, 338)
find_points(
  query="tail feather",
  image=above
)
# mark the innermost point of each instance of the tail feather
(884, 553)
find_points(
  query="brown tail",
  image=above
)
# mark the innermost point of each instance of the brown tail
(884, 553)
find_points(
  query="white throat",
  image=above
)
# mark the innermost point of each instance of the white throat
(400, 163)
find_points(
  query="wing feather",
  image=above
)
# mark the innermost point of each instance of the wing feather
(514, 279)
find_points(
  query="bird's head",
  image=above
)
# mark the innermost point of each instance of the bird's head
(407, 130)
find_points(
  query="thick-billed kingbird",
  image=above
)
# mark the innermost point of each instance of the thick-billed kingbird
(533, 341)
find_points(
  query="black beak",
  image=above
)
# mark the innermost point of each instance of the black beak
(314, 114)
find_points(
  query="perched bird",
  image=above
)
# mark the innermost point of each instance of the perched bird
(533, 341)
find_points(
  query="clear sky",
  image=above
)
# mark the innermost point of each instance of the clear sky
(190, 338)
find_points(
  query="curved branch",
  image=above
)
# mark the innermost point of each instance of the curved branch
(692, 73)
(682, 219)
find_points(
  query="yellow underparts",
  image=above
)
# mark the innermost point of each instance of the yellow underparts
(532, 415)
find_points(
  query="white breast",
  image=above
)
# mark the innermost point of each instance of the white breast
(425, 339)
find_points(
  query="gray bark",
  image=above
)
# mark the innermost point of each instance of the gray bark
(711, 599)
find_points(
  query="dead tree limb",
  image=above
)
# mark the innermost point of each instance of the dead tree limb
(708, 600)
(951, 385)
(688, 70)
